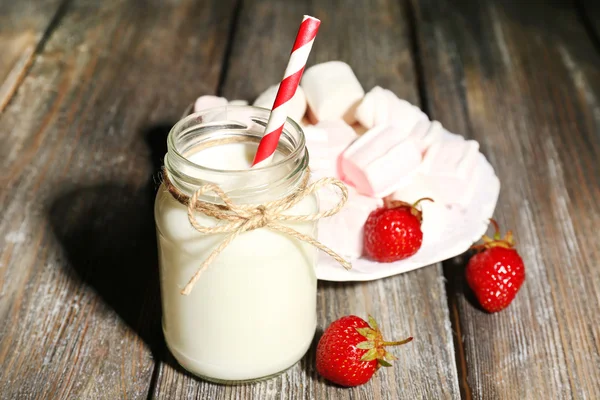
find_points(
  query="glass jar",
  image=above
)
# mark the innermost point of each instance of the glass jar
(252, 312)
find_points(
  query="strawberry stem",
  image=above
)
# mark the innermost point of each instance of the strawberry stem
(507, 241)
(398, 343)
(420, 200)
(496, 229)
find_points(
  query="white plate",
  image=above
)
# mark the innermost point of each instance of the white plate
(457, 228)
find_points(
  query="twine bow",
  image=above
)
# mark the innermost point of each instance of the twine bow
(239, 218)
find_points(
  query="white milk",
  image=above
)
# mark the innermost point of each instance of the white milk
(253, 311)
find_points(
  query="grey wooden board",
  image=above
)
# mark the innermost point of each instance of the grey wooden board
(79, 302)
(374, 40)
(23, 27)
(89, 89)
(524, 80)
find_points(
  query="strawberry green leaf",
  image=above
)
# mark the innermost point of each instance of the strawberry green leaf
(366, 345)
(384, 363)
(372, 322)
(389, 356)
(369, 355)
(366, 332)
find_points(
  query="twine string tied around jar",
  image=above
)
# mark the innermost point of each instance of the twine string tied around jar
(239, 218)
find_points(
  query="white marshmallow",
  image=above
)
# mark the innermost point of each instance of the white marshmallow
(380, 161)
(373, 109)
(325, 142)
(206, 102)
(332, 91)
(296, 106)
(238, 103)
(343, 232)
(382, 107)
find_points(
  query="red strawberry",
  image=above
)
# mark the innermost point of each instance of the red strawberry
(351, 350)
(497, 272)
(393, 232)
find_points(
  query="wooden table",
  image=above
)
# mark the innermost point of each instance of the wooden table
(88, 90)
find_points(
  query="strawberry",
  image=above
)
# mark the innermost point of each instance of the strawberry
(496, 273)
(393, 232)
(351, 350)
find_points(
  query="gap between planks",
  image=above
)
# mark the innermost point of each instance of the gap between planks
(39, 47)
(453, 311)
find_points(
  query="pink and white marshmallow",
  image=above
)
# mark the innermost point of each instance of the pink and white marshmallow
(382, 107)
(447, 174)
(426, 133)
(332, 91)
(380, 161)
(325, 142)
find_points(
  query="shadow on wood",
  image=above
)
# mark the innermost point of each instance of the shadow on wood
(454, 271)
(108, 234)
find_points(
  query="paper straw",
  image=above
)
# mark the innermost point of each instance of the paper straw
(287, 89)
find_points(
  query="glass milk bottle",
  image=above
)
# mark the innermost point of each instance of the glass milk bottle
(252, 312)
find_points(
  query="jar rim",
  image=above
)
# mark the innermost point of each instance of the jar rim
(177, 129)
(218, 125)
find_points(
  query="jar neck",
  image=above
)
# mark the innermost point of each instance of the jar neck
(217, 128)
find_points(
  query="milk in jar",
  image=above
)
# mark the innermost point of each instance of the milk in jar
(252, 313)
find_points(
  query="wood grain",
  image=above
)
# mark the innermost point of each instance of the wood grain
(373, 39)
(523, 78)
(79, 301)
(24, 26)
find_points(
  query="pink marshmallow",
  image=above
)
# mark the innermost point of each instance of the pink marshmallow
(425, 134)
(452, 156)
(206, 102)
(382, 107)
(343, 232)
(380, 161)
(447, 173)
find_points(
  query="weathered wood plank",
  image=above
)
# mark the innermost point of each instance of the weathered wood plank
(375, 42)
(23, 27)
(523, 78)
(79, 301)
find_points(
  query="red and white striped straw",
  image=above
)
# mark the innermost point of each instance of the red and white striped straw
(287, 89)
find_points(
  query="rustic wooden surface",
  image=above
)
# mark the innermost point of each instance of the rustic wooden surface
(24, 28)
(525, 82)
(88, 90)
